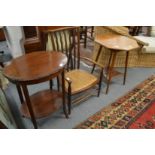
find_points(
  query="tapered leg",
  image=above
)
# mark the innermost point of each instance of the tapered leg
(111, 70)
(109, 62)
(58, 83)
(126, 66)
(69, 99)
(51, 84)
(20, 93)
(63, 94)
(100, 83)
(97, 57)
(28, 102)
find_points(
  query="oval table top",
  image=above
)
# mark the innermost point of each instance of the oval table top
(35, 66)
(117, 42)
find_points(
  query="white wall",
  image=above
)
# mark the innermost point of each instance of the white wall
(15, 38)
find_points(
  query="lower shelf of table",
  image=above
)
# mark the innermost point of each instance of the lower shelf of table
(43, 103)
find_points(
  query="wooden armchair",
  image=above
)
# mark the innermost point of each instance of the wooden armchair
(77, 80)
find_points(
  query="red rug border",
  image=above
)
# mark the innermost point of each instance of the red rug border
(118, 99)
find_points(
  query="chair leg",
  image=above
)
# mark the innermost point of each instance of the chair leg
(63, 94)
(126, 65)
(100, 83)
(92, 31)
(111, 70)
(69, 99)
(69, 103)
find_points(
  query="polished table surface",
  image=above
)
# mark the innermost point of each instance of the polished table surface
(117, 42)
(36, 65)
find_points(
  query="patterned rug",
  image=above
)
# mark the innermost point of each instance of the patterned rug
(135, 110)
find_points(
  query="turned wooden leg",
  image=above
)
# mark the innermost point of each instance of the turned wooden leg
(28, 102)
(126, 66)
(63, 94)
(111, 70)
(97, 57)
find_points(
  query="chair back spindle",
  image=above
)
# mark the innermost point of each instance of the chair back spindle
(65, 40)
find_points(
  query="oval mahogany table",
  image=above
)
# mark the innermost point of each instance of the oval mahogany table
(115, 43)
(34, 68)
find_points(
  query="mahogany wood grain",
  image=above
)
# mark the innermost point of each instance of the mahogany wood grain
(43, 103)
(35, 66)
(2, 36)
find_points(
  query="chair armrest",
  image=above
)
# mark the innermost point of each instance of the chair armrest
(92, 61)
(68, 80)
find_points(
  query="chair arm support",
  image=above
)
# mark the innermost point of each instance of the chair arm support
(68, 80)
(92, 61)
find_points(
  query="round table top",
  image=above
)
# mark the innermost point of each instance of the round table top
(117, 42)
(35, 66)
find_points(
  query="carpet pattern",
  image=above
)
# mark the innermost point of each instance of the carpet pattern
(134, 110)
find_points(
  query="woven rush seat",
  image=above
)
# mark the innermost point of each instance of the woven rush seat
(81, 80)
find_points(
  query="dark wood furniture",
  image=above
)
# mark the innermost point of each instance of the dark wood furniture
(83, 35)
(33, 37)
(2, 36)
(67, 40)
(115, 43)
(34, 68)
(134, 30)
(63, 39)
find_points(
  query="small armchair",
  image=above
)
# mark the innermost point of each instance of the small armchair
(78, 81)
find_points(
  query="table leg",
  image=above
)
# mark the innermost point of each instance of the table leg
(51, 84)
(126, 66)
(20, 93)
(28, 102)
(63, 94)
(58, 83)
(97, 57)
(108, 67)
(111, 70)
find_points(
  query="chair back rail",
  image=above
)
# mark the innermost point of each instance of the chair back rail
(65, 40)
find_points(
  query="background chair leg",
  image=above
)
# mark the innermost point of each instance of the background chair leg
(85, 37)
